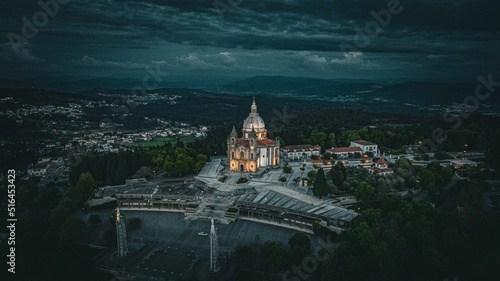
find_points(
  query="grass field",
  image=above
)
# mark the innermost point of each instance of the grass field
(161, 140)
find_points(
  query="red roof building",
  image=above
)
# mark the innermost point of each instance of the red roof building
(366, 146)
(344, 152)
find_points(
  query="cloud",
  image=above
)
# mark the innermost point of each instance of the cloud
(226, 58)
(93, 62)
(311, 61)
(191, 61)
(18, 53)
(303, 36)
(161, 63)
(354, 58)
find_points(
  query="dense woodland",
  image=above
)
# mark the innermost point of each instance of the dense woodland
(114, 168)
(392, 239)
(337, 128)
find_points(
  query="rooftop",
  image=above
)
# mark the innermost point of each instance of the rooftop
(301, 147)
(345, 149)
(42, 165)
(259, 142)
(382, 161)
(363, 142)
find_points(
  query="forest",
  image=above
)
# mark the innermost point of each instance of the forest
(391, 239)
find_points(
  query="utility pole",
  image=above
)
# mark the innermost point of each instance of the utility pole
(121, 235)
(214, 249)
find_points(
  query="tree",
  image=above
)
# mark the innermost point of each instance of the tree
(110, 236)
(85, 186)
(65, 208)
(338, 174)
(317, 227)
(134, 223)
(348, 136)
(331, 140)
(440, 155)
(201, 159)
(404, 163)
(446, 173)
(180, 167)
(317, 137)
(299, 239)
(282, 143)
(311, 176)
(179, 143)
(427, 180)
(297, 180)
(319, 187)
(300, 245)
(122, 171)
(71, 227)
(26, 191)
(365, 192)
(287, 169)
(274, 253)
(345, 186)
(282, 180)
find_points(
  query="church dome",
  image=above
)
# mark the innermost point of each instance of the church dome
(254, 121)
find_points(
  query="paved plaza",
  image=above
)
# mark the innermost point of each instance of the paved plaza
(268, 190)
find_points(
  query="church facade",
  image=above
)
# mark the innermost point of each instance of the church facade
(253, 150)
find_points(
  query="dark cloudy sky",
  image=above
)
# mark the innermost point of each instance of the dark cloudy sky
(429, 39)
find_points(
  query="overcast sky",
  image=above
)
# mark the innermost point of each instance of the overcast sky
(424, 39)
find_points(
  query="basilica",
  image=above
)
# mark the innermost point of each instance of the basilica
(253, 150)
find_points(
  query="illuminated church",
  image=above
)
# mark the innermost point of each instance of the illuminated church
(253, 150)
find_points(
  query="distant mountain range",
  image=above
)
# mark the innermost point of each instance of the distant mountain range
(401, 96)
(425, 93)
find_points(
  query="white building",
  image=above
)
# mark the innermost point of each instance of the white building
(380, 168)
(365, 146)
(41, 169)
(462, 163)
(299, 152)
(344, 152)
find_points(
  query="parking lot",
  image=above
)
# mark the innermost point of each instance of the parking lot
(176, 251)
(166, 227)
